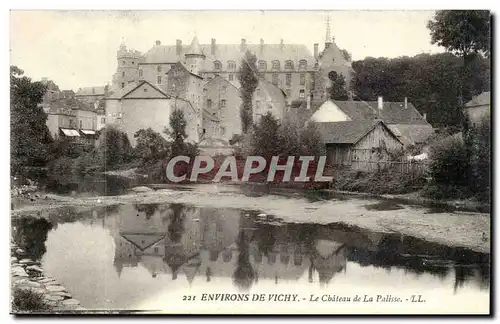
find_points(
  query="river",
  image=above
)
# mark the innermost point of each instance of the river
(174, 256)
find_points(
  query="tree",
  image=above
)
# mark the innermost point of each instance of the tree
(30, 137)
(151, 146)
(346, 54)
(178, 135)
(464, 33)
(114, 147)
(337, 89)
(430, 82)
(265, 137)
(249, 80)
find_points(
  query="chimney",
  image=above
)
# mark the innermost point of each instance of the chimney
(158, 43)
(243, 46)
(380, 103)
(261, 46)
(425, 116)
(406, 102)
(308, 101)
(282, 45)
(178, 47)
(316, 45)
(93, 90)
(213, 46)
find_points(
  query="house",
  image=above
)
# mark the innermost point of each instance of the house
(141, 105)
(91, 94)
(402, 118)
(300, 111)
(479, 108)
(221, 100)
(268, 97)
(358, 143)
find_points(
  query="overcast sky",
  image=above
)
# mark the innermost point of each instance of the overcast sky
(78, 48)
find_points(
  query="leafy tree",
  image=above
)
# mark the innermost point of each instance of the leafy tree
(114, 147)
(430, 82)
(464, 33)
(30, 137)
(151, 146)
(178, 135)
(248, 78)
(346, 54)
(265, 137)
(337, 89)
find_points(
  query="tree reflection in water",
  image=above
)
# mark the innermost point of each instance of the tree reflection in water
(30, 235)
(148, 209)
(244, 274)
(176, 227)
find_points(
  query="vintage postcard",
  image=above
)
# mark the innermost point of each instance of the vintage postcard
(250, 162)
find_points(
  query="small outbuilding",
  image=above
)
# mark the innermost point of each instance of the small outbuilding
(359, 144)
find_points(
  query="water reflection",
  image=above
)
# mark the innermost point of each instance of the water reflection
(187, 245)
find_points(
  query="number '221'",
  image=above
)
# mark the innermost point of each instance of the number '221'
(188, 298)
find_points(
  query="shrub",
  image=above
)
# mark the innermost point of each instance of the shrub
(26, 300)
(449, 162)
(114, 147)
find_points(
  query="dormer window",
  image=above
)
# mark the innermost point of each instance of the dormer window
(231, 65)
(276, 65)
(217, 66)
(262, 65)
(289, 65)
(302, 65)
(158, 68)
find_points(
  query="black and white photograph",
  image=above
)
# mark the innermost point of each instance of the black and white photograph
(250, 162)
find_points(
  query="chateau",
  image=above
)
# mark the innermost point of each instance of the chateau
(205, 78)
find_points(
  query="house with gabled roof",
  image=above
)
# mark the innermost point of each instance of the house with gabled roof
(358, 143)
(402, 118)
(479, 108)
(141, 105)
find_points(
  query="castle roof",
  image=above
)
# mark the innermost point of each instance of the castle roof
(195, 47)
(232, 52)
(91, 91)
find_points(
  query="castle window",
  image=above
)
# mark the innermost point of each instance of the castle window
(231, 65)
(262, 65)
(288, 79)
(132, 62)
(302, 79)
(289, 65)
(217, 65)
(288, 92)
(302, 64)
(156, 250)
(140, 73)
(103, 120)
(158, 68)
(275, 78)
(81, 124)
(123, 85)
(257, 105)
(276, 65)
(302, 94)
(123, 73)
(231, 77)
(158, 79)
(223, 103)
(209, 104)
(222, 131)
(123, 62)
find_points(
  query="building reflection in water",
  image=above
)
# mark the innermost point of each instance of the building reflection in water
(201, 244)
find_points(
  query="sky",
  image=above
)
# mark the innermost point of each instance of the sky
(78, 48)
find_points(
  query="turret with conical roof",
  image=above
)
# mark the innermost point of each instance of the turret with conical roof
(195, 59)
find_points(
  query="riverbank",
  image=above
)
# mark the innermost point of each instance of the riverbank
(27, 277)
(459, 229)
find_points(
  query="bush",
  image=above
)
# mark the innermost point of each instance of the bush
(449, 163)
(26, 300)
(114, 147)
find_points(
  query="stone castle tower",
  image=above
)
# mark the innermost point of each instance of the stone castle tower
(128, 67)
(195, 59)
